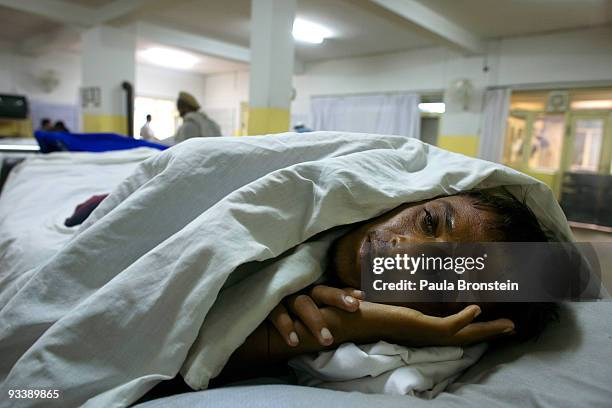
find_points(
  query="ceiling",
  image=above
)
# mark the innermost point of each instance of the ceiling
(17, 25)
(363, 28)
(205, 65)
(503, 18)
(357, 30)
(360, 27)
(90, 3)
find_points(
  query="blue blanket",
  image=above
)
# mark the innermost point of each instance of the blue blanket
(89, 142)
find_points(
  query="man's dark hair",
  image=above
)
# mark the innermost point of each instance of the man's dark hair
(148, 118)
(45, 122)
(515, 222)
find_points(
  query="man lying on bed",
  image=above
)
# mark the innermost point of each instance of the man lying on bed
(323, 317)
(327, 316)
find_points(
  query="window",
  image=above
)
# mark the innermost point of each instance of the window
(546, 142)
(588, 140)
(515, 140)
(164, 115)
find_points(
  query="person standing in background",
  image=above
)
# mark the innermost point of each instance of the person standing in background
(146, 132)
(195, 122)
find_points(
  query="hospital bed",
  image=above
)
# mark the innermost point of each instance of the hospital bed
(568, 366)
(41, 191)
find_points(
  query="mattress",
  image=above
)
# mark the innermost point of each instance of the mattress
(569, 366)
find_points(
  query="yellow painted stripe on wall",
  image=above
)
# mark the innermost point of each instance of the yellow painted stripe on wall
(464, 144)
(16, 128)
(262, 121)
(105, 123)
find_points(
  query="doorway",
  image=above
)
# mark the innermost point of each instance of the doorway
(564, 138)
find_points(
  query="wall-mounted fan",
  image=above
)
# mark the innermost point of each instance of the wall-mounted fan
(460, 92)
(49, 80)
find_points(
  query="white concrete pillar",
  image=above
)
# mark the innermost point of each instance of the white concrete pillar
(107, 61)
(272, 60)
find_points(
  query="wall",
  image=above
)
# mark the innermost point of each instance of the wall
(19, 74)
(164, 83)
(579, 55)
(107, 60)
(222, 98)
(572, 56)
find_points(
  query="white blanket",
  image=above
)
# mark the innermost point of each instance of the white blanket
(137, 295)
(383, 368)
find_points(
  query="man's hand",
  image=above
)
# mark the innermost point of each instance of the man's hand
(410, 327)
(305, 307)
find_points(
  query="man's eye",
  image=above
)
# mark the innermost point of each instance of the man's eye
(429, 223)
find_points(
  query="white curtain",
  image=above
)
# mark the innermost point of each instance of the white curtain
(390, 114)
(495, 115)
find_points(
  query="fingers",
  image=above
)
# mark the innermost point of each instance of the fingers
(355, 293)
(283, 323)
(344, 299)
(444, 326)
(483, 331)
(458, 329)
(461, 319)
(308, 312)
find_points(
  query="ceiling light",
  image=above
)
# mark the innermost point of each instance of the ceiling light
(432, 107)
(307, 31)
(170, 58)
(595, 104)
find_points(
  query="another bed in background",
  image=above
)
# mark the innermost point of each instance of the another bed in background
(42, 191)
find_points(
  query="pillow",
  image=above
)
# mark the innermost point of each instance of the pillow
(89, 142)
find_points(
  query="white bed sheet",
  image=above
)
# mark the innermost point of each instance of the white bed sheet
(569, 366)
(41, 192)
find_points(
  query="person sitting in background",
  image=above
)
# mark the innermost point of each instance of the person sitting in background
(45, 125)
(60, 127)
(146, 132)
(195, 122)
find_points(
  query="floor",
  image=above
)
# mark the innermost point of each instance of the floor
(585, 235)
(603, 245)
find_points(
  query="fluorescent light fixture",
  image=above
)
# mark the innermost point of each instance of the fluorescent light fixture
(20, 148)
(167, 57)
(432, 107)
(309, 32)
(595, 104)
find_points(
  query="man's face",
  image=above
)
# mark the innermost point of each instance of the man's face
(183, 108)
(445, 219)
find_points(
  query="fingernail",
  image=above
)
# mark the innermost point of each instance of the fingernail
(508, 329)
(326, 336)
(294, 340)
(358, 293)
(477, 312)
(350, 300)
